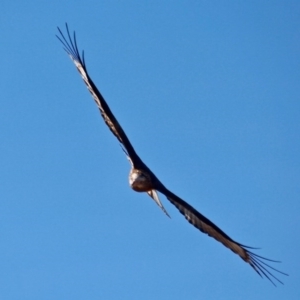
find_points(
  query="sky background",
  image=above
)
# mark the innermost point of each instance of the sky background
(208, 93)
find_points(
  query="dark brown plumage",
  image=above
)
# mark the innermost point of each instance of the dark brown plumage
(142, 179)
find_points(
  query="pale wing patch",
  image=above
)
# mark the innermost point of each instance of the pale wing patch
(206, 228)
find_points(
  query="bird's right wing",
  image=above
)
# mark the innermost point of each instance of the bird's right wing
(110, 120)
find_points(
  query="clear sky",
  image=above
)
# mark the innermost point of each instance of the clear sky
(208, 93)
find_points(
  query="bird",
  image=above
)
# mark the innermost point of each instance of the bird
(142, 179)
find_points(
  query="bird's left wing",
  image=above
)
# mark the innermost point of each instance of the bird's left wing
(70, 46)
(206, 226)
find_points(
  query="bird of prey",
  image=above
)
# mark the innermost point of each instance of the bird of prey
(142, 179)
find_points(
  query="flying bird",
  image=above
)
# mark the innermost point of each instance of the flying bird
(142, 179)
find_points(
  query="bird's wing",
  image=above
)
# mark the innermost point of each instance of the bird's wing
(258, 263)
(70, 46)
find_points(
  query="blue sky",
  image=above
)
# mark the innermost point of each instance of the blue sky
(208, 93)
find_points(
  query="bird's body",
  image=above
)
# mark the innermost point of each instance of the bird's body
(142, 179)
